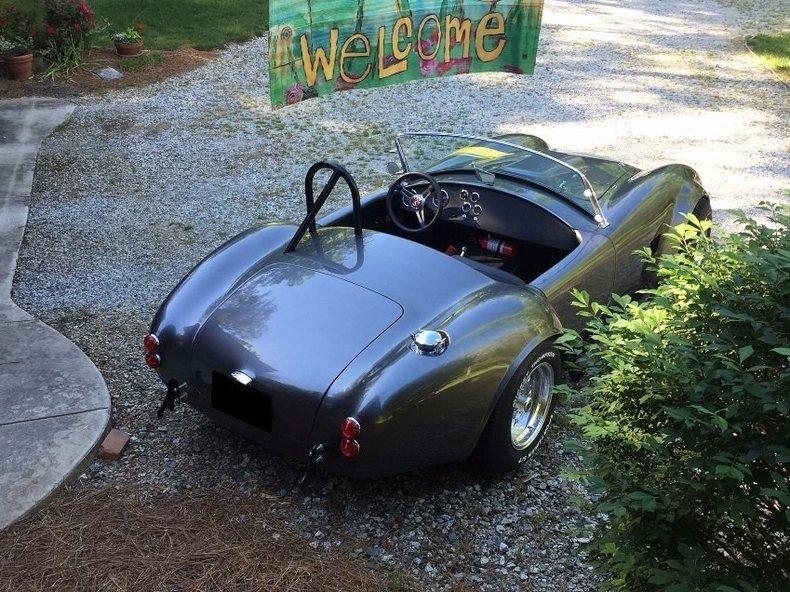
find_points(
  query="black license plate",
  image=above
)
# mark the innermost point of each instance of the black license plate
(241, 401)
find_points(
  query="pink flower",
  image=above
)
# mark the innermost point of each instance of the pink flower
(428, 67)
(426, 47)
(86, 10)
(445, 67)
(294, 94)
(463, 65)
(341, 84)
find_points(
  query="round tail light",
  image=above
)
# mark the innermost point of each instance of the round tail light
(350, 428)
(349, 448)
(152, 360)
(151, 343)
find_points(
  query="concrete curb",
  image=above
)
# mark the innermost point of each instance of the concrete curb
(54, 404)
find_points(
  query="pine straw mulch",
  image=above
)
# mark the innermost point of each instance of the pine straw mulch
(130, 539)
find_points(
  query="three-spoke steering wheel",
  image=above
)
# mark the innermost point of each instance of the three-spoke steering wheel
(411, 192)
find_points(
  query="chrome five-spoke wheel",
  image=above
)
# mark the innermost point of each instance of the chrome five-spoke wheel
(532, 406)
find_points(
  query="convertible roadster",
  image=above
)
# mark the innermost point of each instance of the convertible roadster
(415, 326)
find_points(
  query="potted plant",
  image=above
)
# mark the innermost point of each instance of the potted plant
(128, 42)
(18, 52)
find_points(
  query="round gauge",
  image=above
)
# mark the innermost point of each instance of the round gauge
(464, 194)
(477, 209)
(466, 206)
(475, 197)
(445, 199)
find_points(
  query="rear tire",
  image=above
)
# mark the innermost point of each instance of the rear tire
(523, 413)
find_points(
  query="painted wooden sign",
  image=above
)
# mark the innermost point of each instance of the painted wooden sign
(318, 47)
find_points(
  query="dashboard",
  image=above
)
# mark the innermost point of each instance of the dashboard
(468, 201)
(499, 212)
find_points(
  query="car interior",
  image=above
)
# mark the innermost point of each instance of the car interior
(501, 235)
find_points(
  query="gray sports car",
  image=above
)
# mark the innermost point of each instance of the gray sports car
(415, 326)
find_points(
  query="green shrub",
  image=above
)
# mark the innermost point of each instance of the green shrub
(684, 418)
(70, 29)
(128, 35)
(20, 24)
(15, 46)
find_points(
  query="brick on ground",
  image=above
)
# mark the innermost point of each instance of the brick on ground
(113, 445)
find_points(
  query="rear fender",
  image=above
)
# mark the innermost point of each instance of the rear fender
(518, 363)
(196, 296)
(421, 410)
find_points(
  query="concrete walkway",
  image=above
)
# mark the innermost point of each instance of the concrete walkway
(54, 405)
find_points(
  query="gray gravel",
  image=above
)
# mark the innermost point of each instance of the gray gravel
(140, 184)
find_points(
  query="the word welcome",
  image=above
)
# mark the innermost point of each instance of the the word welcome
(430, 33)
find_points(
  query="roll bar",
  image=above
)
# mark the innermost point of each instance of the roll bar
(315, 205)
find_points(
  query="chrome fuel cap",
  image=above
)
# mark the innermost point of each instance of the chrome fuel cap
(428, 342)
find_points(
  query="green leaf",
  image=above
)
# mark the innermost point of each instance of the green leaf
(745, 352)
(729, 471)
(567, 337)
(682, 417)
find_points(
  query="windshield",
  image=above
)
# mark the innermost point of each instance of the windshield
(434, 153)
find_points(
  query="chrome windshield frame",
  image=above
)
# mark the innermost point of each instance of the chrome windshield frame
(599, 216)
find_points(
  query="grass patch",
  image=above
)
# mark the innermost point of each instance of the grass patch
(775, 50)
(142, 61)
(202, 24)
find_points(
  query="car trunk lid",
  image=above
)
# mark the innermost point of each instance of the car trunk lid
(292, 330)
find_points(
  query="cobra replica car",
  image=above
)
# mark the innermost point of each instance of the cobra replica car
(415, 326)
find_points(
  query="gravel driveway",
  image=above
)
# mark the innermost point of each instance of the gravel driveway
(140, 184)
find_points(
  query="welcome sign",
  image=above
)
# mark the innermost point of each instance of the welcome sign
(321, 46)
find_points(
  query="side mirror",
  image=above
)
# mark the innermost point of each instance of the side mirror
(394, 168)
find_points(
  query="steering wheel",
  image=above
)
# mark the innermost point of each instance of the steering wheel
(411, 192)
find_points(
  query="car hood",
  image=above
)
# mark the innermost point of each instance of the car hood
(289, 325)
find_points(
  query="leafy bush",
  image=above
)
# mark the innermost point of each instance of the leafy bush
(20, 22)
(685, 416)
(68, 19)
(69, 27)
(15, 46)
(130, 35)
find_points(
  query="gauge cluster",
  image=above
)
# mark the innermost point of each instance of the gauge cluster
(467, 200)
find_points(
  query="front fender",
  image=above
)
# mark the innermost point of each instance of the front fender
(642, 210)
(420, 410)
(690, 196)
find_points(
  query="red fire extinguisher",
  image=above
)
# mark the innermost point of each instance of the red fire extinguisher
(497, 246)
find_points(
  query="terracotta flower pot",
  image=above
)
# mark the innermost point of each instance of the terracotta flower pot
(129, 49)
(20, 67)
